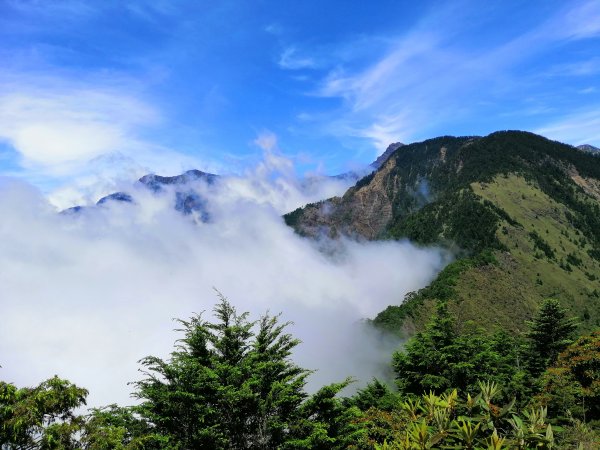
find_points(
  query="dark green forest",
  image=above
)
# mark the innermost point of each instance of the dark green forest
(230, 383)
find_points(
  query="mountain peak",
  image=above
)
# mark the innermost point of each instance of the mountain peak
(155, 182)
(385, 155)
(589, 148)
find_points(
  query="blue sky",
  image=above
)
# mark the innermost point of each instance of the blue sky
(95, 87)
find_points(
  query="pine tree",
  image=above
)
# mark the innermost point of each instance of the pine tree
(439, 358)
(550, 332)
(226, 385)
(423, 365)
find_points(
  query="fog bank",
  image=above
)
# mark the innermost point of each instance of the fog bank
(85, 296)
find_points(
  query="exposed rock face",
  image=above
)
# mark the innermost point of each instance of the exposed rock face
(385, 155)
(371, 206)
(591, 186)
(364, 211)
(367, 209)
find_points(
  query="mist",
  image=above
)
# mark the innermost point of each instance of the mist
(86, 295)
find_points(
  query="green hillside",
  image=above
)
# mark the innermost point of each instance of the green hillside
(520, 212)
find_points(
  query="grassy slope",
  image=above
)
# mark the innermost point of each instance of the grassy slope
(528, 273)
(506, 292)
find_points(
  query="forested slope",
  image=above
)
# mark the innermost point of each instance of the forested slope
(520, 212)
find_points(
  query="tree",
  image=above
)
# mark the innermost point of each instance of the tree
(42, 416)
(324, 422)
(439, 359)
(550, 332)
(375, 395)
(423, 364)
(119, 428)
(573, 384)
(231, 384)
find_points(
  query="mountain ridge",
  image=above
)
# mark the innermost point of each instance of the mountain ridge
(480, 197)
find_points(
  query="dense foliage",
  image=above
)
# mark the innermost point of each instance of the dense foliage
(40, 417)
(537, 391)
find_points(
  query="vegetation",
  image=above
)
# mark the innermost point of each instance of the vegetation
(549, 334)
(491, 358)
(477, 389)
(40, 417)
(230, 384)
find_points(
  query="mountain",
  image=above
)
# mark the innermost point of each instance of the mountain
(187, 200)
(520, 213)
(589, 148)
(385, 155)
(116, 197)
(355, 175)
(157, 183)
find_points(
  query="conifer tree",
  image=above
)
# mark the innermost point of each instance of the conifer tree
(232, 385)
(550, 332)
(225, 386)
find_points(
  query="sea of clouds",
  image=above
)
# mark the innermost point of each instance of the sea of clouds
(86, 295)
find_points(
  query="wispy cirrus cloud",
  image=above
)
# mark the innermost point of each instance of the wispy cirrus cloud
(432, 76)
(291, 59)
(581, 68)
(579, 22)
(582, 127)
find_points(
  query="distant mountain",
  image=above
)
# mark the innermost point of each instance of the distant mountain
(589, 148)
(116, 197)
(157, 182)
(187, 200)
(520, 212)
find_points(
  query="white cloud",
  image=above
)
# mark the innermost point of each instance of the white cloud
(78, 138)
(575, 129)
(386, 130)
(582, 21)
(290, 60)
(580, 68)
(434, 75)
(274, 29)
(55, 129)
(86, 297)
(266, 140)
